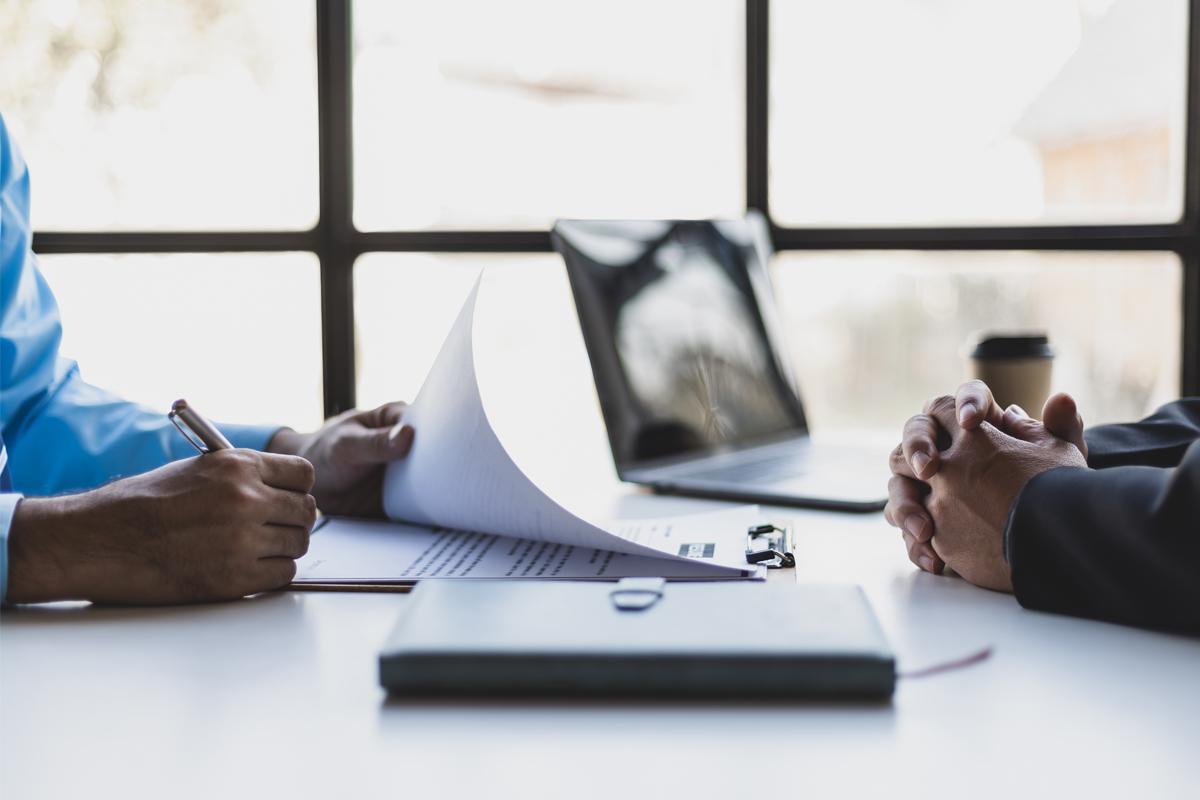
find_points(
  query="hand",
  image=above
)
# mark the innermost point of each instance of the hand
(216, 527)
(917, 458)
(980, 474)
(349, 453)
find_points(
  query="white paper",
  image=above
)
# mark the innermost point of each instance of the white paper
(365, 551)
(458, 474)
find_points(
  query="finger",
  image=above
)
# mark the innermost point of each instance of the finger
(1018, 424)
(943, 411)
(919, 445)
(376, 445)
(905, 509)
(274, 573)
(385, 416)
(1061, 417)
(285, 507)
(922, 554)
(286, 472)
(899, 464)
(289, 541)
(974, 405)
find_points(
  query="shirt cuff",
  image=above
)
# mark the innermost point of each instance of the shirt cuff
(251, 437)
(8, 507)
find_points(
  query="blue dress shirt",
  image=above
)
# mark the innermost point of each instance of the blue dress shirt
(57, 433)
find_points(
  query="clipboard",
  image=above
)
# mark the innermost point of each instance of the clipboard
(378, 556)
(381, 588)
(641, 637)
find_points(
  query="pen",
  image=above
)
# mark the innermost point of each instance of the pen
(200, 428)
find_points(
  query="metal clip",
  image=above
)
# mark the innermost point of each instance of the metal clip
(173, 415)
(637, 594)
(770, 545)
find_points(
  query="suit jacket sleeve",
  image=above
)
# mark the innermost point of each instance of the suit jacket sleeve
(1119, 542)
(1159, 440)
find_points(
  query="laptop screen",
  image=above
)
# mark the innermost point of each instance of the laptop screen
(679, 328)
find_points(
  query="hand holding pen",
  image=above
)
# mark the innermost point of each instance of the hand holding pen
(224, 525)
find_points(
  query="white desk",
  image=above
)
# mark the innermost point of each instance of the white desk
(276, 696)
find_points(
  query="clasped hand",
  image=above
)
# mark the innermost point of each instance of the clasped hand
(959, 469)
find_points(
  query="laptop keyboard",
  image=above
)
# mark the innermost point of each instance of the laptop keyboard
(768, 467)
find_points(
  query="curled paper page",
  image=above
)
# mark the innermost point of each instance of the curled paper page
(459, 475)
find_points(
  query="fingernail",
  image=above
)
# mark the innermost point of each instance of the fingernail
(401, 437)
(915, 525)
(919, 462)
(928, 563)
(966, 411)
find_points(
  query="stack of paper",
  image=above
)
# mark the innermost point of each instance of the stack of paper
(472, 512)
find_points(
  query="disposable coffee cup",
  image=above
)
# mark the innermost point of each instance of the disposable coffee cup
(1017, 368)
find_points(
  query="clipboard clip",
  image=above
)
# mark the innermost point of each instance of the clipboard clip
(770, 545)
(637, 594)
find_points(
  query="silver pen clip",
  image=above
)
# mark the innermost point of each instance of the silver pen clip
(192, 440)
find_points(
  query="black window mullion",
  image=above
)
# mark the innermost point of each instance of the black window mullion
(757, 104)
(335, 243)
(46, 242)
(1190, 377)
(1190, 252)
(1033, 237)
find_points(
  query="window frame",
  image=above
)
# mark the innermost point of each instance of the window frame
(338, 244)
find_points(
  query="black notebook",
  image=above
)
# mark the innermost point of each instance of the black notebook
(637, 637)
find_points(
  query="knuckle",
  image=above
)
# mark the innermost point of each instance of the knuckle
(241, 498)
(240, 457)
(902, 489)
(940, 404)
(307, 471)
(236, 464)
(917, 424)
(936, 506)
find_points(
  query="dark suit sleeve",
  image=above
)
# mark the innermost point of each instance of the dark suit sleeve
(1159, 440)
(1120, 544)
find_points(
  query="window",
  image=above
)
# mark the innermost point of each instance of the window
(895, 112)
(339, 171)
(874, 335)
(149, 116)
(171, 322)
(528, 113)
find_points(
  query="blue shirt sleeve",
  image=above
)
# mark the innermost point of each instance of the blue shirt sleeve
(62, 434)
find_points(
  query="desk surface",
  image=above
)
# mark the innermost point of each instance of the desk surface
(277, 695)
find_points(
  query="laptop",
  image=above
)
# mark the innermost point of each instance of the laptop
(696, 390)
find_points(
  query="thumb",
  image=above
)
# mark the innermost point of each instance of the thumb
(378, 445)
(1061, 417)
(1019, 425)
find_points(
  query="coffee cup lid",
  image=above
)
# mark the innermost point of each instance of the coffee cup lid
(1021, 346)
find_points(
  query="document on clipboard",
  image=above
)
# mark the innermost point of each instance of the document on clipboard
(462, 507)
(384, 554)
